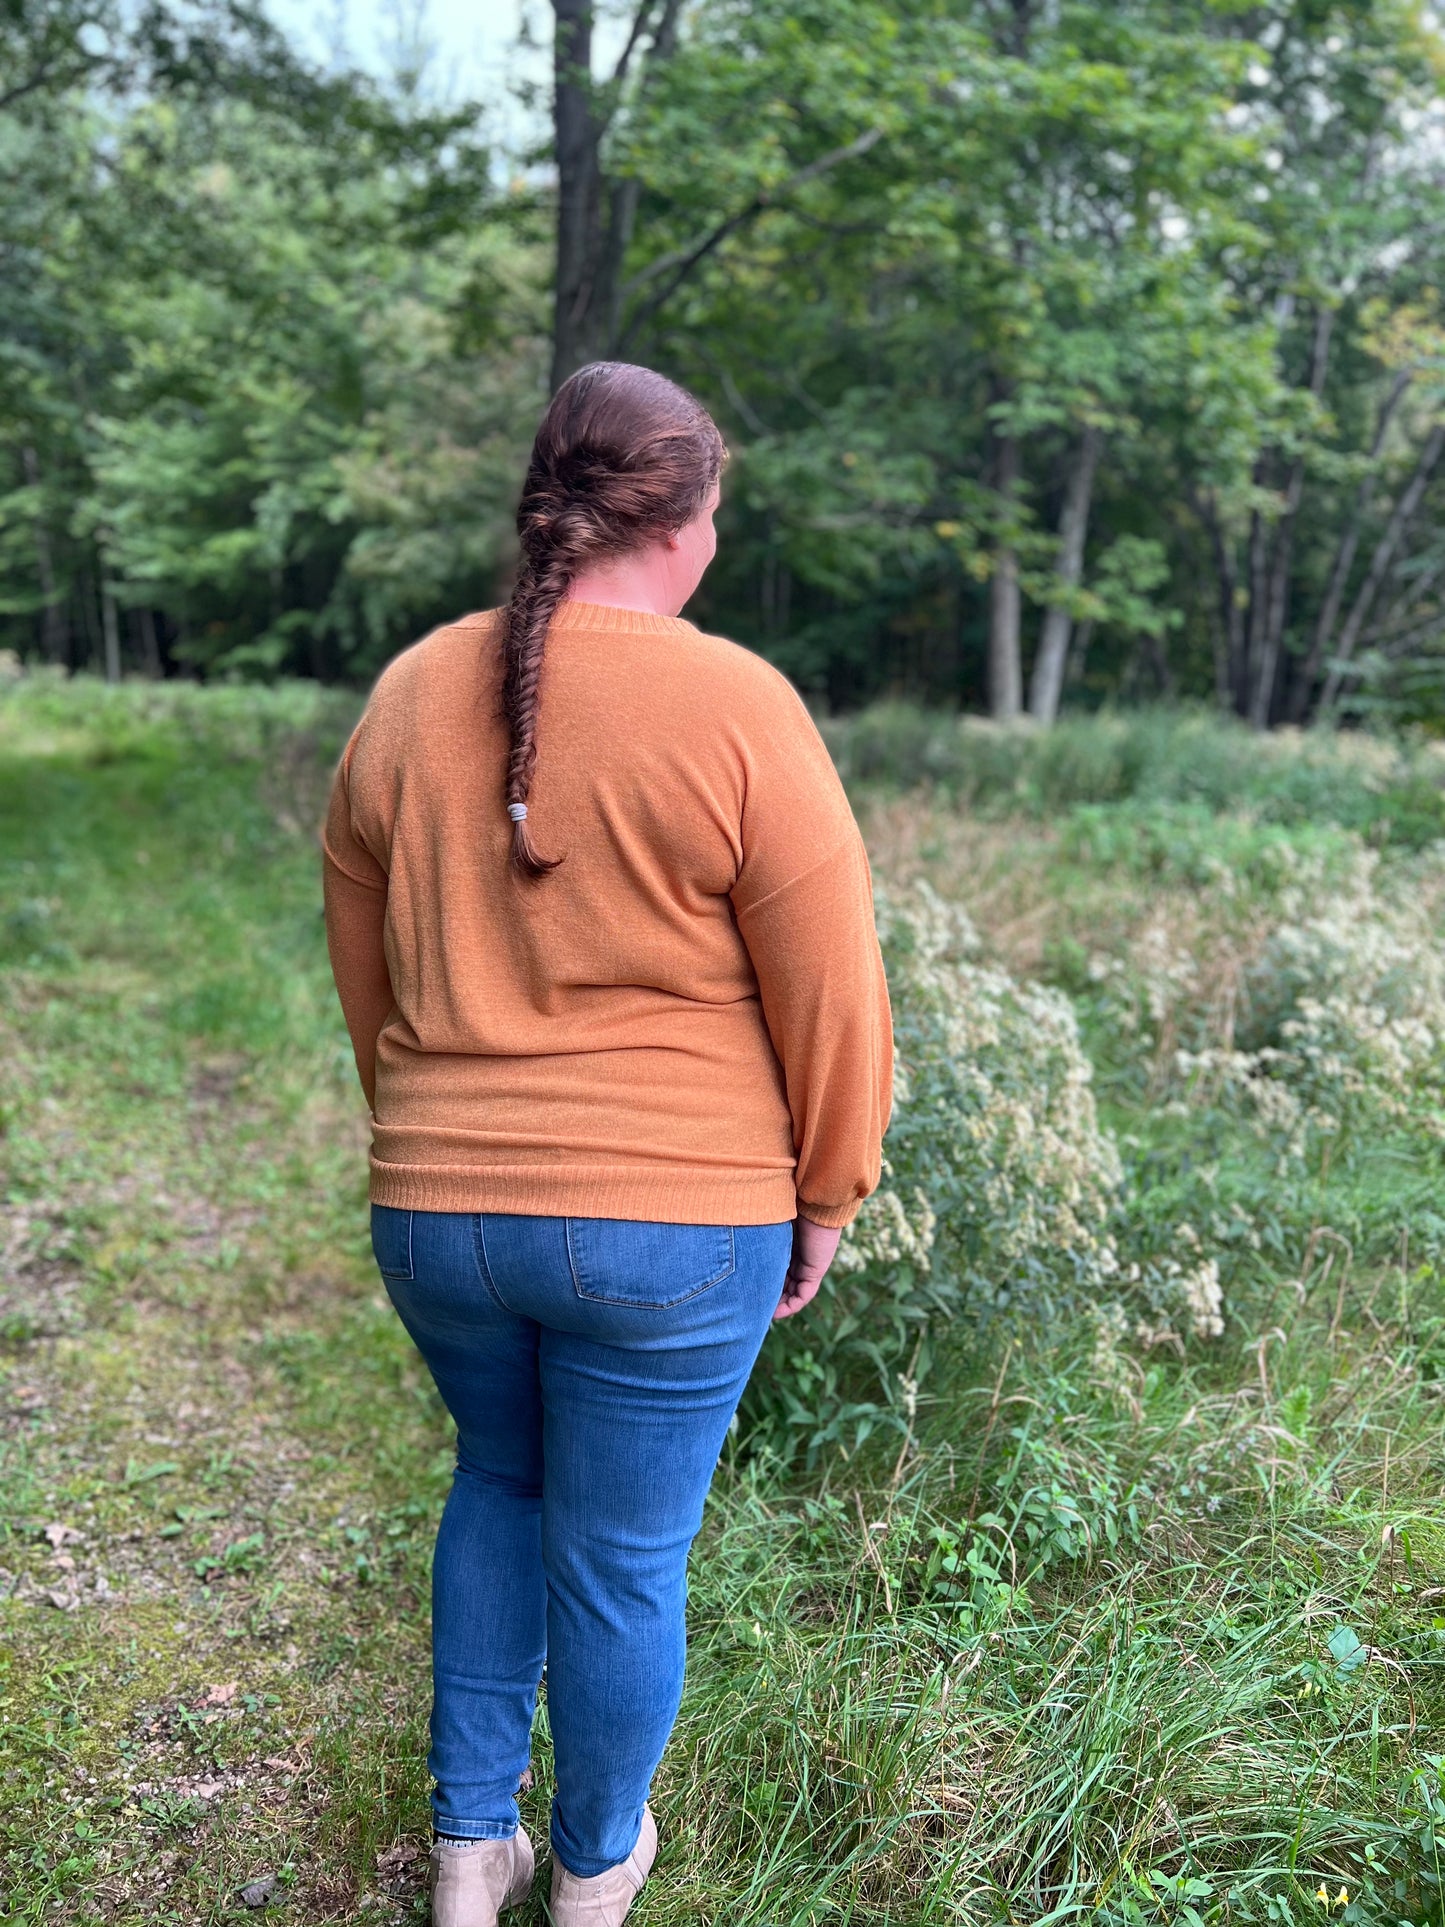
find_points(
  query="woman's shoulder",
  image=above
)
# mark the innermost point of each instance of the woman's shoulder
(748, 674)
(436, 660)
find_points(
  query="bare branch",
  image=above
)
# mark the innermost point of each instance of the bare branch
(1400, 517)
(1308, 672)
(684, 260)
(1395, 646)
(43, 76)
(742, 407)
(640, 22)
(1413, 592)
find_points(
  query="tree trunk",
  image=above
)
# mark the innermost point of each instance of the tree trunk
(1159, 662)
(1018, 22)
(1005, 669)
(1257, 556)
(1005, 674)
(1400, 518)
(1078, 651)
(150, 649)
(86, 598)
(595, 216)
(1229, 644)
(1308, 672)
(110, 629)
(1265, 666)
(578, 131)
(1276, 607)
(54, 629)
(1386, 631)
(1047, 681)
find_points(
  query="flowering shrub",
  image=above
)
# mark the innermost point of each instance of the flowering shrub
(1319, 1010)
(1335, 1018)
(1164, 1299)
(1361, 987)
(997, 1188)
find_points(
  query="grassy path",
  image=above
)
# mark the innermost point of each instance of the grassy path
(220, 1468)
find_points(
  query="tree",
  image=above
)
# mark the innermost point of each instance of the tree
(1021, 321)
(596, 208)
(598, 308)
(1351, 203)
(203, 356)
(1065, 352)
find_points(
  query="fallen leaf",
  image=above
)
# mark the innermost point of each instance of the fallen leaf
(280, 1762)
(220, 1695)
(63, 1535)
(208, 1789)
(65, 1602)
(257, 1892)
(401, 1855)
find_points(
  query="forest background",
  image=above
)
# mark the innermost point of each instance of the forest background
(1065, 351)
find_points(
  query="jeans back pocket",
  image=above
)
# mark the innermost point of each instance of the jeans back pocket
(625, 1261)
(391, 1241)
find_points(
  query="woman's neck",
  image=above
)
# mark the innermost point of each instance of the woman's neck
(631, 582)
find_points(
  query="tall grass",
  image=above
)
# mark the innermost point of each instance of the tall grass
(1121, 1617)
(1382, 787)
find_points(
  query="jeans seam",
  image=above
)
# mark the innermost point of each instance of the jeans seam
(484, 1263)
(407, 1277)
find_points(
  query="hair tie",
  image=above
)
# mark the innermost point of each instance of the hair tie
(517, 811)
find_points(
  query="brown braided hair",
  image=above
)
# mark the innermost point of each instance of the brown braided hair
(623, 457)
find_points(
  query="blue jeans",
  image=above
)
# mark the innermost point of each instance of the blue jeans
(592, 1366)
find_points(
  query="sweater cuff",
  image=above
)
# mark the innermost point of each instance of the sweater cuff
(832, 1216)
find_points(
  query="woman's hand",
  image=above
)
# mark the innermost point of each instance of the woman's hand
(813, 1248)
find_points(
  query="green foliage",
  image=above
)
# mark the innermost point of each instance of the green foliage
(301, 414)
(996, 1190)
(264, 403)
(276, 338)
(1281, 985)
(1172, 763)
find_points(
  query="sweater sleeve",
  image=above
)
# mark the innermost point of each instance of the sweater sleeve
(355, 889)
(804, 904)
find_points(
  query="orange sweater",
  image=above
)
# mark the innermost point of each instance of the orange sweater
(686, 1022)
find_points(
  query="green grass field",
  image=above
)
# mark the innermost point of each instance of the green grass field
(1131, 1621)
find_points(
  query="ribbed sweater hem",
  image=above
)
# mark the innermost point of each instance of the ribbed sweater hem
(682, 1194)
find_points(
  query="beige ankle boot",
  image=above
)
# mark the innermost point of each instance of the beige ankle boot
(470, 1885)
(605, 1898)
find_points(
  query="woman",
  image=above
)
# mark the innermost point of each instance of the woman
(601, 925)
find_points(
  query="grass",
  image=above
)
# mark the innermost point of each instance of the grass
(1145, 1641)
(1385, 788)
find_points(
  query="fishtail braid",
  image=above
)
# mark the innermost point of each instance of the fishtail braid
(623, 456)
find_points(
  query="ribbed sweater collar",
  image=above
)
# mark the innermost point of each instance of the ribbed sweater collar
(601, 619)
